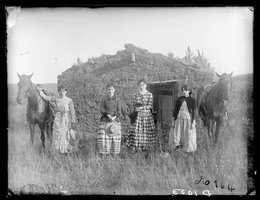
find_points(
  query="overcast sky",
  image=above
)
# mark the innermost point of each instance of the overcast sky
(47, 41)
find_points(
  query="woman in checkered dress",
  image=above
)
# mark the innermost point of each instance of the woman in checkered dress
(110, 109)
(143, 137)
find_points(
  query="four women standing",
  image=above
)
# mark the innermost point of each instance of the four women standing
(109, 134)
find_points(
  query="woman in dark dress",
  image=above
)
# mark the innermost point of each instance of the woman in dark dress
(110, 109)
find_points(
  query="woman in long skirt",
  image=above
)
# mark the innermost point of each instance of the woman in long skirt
(184, 132)
(64, 120)
(143, 137)
(110, 109)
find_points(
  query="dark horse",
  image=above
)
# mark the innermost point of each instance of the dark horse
(38, 110)
(212, 104)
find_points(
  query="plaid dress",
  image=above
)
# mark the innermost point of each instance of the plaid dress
(143, 135)
(107, 144)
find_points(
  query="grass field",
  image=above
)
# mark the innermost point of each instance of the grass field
(224, 168)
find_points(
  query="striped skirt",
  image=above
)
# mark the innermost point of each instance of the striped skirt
(142, 134)
(107, 144)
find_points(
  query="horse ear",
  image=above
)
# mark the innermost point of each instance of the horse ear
(231, 74)
(19, 75)
(218, 75)
(30, 76)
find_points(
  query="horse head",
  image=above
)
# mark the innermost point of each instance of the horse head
(24, 86)
(224, 85)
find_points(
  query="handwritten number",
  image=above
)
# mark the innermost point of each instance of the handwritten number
(207, 182)
(216, 183)
(198, 181)
(231, 188)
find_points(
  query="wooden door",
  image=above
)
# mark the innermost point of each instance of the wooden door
(165, 107)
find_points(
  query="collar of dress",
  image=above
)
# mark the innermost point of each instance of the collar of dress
(142, 93)
(111, 98)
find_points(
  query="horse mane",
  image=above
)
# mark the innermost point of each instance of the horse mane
(34, 96)
(37, 98)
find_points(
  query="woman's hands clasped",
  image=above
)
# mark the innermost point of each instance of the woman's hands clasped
(137, 109)
(111, 118)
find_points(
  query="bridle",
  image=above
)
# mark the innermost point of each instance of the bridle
(228, 81)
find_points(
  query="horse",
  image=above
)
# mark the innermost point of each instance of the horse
(38, 110)
(212, 104)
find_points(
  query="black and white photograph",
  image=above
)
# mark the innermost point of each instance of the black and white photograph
(130, 101)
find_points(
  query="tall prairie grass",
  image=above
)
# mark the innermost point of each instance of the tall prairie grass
(129, 174)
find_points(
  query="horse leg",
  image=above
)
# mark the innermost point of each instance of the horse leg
(211, 132)
(202, 116)
(207, 140)
(209, 127)
(218, 125)
(32, 129)
(42, 128)
(213, 128)
(27, 118)
(49, 131)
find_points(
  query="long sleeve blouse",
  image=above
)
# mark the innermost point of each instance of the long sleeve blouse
(112, 106)
(191, 104)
